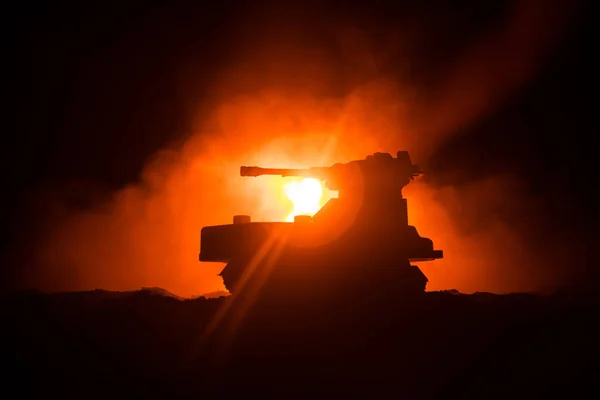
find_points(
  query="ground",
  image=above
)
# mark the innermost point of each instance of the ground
(151, 344)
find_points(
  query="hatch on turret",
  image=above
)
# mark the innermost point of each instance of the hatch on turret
(241, 219)
(302, 219)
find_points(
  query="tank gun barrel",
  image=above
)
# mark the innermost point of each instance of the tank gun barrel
(300, 172)
(378, 169)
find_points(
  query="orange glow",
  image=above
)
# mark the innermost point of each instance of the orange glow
(305, 195)
(297, 106)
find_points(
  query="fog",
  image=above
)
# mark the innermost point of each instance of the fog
(289, 100)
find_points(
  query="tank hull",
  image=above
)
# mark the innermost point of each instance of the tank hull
(223, 243)
(282, 259)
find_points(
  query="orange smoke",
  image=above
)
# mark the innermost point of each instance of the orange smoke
(288, 106)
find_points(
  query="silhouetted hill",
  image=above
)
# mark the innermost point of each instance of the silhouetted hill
(150, 343)
(217, 294)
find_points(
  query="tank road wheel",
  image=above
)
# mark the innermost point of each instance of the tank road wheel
(239, 281)
(400, 280)
(232, 274)
(412, 280)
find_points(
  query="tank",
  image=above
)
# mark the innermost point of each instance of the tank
(358, 242)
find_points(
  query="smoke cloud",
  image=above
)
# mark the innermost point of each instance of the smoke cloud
(288, 101)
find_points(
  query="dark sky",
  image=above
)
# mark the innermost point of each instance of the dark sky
(94, 90)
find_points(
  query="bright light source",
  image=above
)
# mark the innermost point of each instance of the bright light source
(305, 195)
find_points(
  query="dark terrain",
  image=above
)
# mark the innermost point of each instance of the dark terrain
(95, 91)
(152, 344)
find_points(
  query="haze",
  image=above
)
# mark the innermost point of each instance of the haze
(287, 99)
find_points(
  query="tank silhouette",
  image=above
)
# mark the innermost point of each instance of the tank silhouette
(356, 243)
